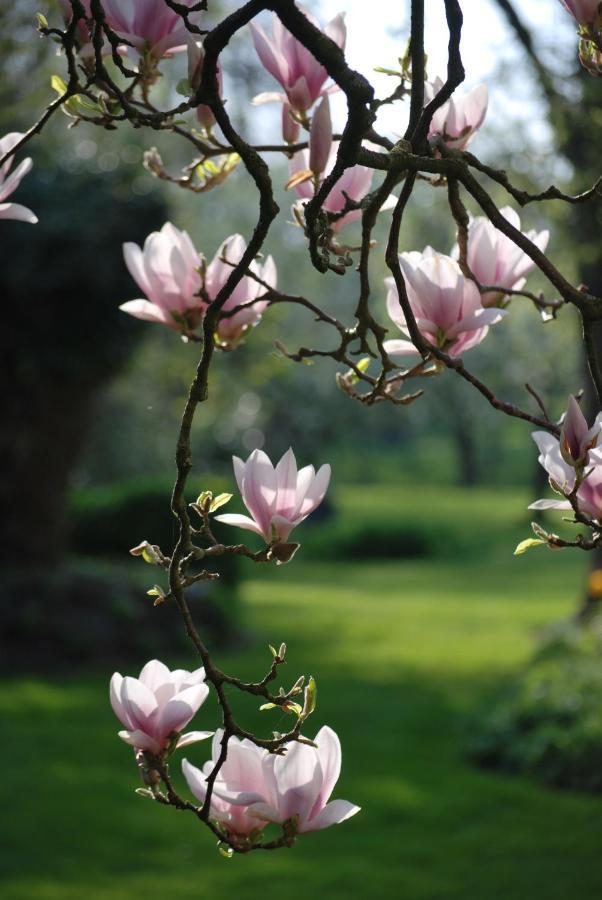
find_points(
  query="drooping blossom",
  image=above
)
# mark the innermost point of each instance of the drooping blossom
(242, 777)
(293, 65)
(495, 259)
(576, 454)
(156, 706)
(355, 183)
(460, 117)
(196, 58)
(10, 183)
(446, 305)
(278, 499)
(584, 11)
(166, 270)
(254, 787)
(150, 26)
(231, 329)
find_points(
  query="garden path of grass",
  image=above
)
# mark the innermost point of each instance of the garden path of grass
(404, 653)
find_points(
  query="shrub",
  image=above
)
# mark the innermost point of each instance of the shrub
(549, 723)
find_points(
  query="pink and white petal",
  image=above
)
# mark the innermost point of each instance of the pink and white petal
(148, 312)
(18, 213)
(240, 521)
(333, 814)
(180, 709)
(196, 781)
(316, 491)
(268, 97)
(154, 674)
(115, 697)
(139, 703)
(337, 30)
(141, 741)
(479, 318)
(286, 475)
(329, 754)
(191, 737)
(550, 504)
(400, 348)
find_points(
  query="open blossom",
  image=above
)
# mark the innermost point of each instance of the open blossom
(495, 259)
(166, 270)
(564, 460)
(584, 11)
(10, 183)
(298, 71)
(458, 119)
(149, 25)
(355, 182)
(231, 329)
(446, 305)
(278, 499)
(156, 706)
(254, 787)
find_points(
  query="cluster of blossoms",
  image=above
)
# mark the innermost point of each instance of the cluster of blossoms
(179, 285)
(450, 310)
(253, 787)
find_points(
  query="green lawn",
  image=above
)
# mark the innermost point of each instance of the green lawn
(404, 653)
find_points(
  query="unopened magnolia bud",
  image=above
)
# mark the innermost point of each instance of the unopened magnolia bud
(152, 161)
(290, 127)
(320, 137)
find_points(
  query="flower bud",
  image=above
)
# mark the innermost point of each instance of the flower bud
(320, 137)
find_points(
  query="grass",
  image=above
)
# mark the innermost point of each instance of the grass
(404, 653)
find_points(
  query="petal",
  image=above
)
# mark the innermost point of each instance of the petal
(115, 697)
(550, 504)
(180, 709)
(333, 814)
(400, 348)
(154, 674)
(195, 779)
(18, 213)
(240, 521)
(142, 309)
(139, 703)
(316, 491)
(191, 737)
(141, 741)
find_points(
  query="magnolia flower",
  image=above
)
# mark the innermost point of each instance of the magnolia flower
(254, 787)
(166, 270)
(568, 458)
(11, 183)
(494, 259)
(230, 330)
(584, 11)
(576, 439)
(149, 25)
(354, 183)
(458, 119)
(278, 499)
(320, 137)
(241, 778)
(157, 706)
(292, 64)
(446, 305)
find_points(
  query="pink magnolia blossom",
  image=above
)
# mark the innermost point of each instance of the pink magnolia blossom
(149, 25)
(231, 329)
(156, 706)
(254, 787)
(458, 119)
(584, 11)
(242, 777)
(278, 499)
(355, 182)
(10, 183)
(166, 270)
(577, 449)
(494, 259)
(446, 305)
(298, 71)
